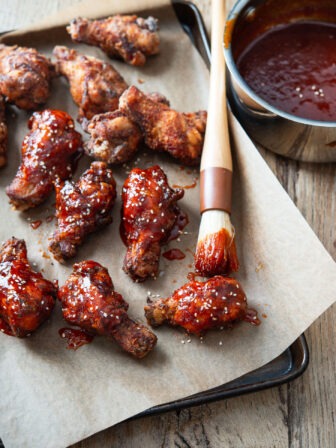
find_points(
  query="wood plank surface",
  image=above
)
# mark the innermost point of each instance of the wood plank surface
(301, 414)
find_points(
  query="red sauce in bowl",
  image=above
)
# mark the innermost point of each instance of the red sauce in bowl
(293, 68)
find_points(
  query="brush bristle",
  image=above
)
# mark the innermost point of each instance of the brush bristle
(216, 249)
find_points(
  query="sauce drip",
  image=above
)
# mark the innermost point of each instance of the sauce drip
(49, 218)
(186, 187)
(293, 67)
(75, 338)
(181, 221)
(174, 254)
(35, 224)
(252, 317)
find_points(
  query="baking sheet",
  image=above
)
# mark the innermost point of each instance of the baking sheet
(284, 268)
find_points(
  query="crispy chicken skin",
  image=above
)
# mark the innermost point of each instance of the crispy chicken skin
(82, 208)
(200, 306)
(165, 129)
(95, 85)
(90, 302)
(51, 149)
(114, 138)
(149, 213)
(3, 133)
(25, 76)
(130, 38)
(26, 298)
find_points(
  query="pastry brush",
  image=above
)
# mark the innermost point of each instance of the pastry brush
(216, 250)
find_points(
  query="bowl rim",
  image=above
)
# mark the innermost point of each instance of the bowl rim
(230, 63)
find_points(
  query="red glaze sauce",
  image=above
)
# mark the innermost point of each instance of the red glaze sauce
(49, 218)
(5, 328)
(186, 187)
(293, 67)
(75, 338)
(174, 254)
(181, 221)
(35, 224)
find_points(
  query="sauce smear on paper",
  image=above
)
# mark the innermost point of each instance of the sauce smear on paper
(174, 254)
(35, 224)
(181, 221)
(75, 338)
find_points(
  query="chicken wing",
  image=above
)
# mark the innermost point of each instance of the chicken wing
(95, 86)
(82, 208)
(3, 133)
(26, 298)
(90, 302)
(130, 38)
(25, 76)
(165, 129)
(149, 213)
(200, 306)
(51, 149)
(114, 138)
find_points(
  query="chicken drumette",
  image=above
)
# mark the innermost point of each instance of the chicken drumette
(3, 133)
(130, 38)
(149, 213)
(114, 138)
(51, 149)
(95, 85)
(165, 129)
(25, 76)
(90, 302)
(82, 208)
(26, 298)
(200, 306)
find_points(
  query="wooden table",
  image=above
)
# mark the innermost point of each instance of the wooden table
(299, 414)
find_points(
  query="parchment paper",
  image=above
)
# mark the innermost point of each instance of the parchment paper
(53, 397)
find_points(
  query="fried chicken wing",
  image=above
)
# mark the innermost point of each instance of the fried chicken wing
(149, 213)
(90, 302)
(165, 129)
(95, 86)
(130, 38)
(51, 149)
(26, 298)
(200, 306)
(3, 133)
(25, 76)
(114, 138)
(82, 208)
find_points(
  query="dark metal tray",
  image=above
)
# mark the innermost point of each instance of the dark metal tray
(293, 361)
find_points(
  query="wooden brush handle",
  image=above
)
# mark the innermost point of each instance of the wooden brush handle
(216, 162)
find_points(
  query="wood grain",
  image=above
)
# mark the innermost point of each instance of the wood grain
(301, 414)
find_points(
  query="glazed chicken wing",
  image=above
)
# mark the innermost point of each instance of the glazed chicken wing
(200, 306)
(149, 213)
(51, 149)
(25, 76)
(90, 302)
(26, 298)
(82, 208)
(114, 138)
(3, 133)
(95, 86)
(165, 129)
(130, 38)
